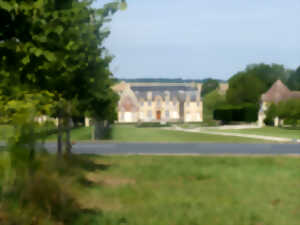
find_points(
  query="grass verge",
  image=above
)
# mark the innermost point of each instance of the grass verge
(128, 133)
(132, 133)
(160, 190)
(292, 133)
(144, 190)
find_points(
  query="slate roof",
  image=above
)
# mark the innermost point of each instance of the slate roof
(178, 92)
(279, 92)
(162, 88)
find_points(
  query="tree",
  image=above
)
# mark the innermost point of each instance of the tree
(294, 80)
(212, 101)
(247, 86)
(271, 114)
(208, 86)
(57, 46)
(244, 88)
(289, 111)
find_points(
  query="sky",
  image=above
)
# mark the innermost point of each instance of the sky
(196, 39)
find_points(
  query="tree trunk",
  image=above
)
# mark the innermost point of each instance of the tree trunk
(68, 143)
(59, 138)
(101, 129)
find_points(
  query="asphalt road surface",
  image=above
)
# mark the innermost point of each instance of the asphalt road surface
(181, 149)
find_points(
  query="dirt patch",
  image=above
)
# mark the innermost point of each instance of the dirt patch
(97, 178)
(90, 202)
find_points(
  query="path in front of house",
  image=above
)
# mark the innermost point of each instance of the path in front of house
(207, 131)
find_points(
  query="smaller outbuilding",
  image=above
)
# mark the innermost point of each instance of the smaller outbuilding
(277, 93)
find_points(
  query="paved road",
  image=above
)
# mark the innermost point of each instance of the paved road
(190, 148)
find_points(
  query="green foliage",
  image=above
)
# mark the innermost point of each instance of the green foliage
(270, 115)
(245, 113)
(213, 100)
(153, 125)
(52, 62)
(294, 80)
(208, 86)
(57, 47)
(248, 86)
(244, 88)
(21, 111)
(289, 110)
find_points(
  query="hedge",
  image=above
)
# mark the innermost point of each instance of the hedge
(245, 113)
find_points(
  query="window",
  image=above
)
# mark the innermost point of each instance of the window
(158, 102)
(175, 115)
(198, 115)
(149, 114)
(141, 115)
(188, 117)
(128, 117)
(167, 114)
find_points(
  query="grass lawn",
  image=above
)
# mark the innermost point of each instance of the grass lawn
(129, 133)
(269, 131)
(165, 190)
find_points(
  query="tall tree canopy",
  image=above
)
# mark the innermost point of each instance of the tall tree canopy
(57, 46)
(294, 80)
(209, 85)
(247, 86)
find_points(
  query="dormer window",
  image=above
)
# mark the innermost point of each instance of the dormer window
(158, 103)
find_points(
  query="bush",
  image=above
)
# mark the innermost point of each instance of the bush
(49, 195)
(270, 115)
(153, 125)
(246, 113)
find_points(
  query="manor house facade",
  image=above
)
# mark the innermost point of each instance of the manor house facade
(159, 102)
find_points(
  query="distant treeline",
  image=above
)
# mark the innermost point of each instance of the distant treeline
(165, 80)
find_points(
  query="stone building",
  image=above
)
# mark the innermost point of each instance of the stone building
(223, 87)
(159, 102)
(278, 92)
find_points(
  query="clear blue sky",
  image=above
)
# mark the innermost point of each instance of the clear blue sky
(199, 39)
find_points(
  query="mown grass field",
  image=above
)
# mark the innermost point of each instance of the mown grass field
(156, 190)
(131, 133)
(292, 133)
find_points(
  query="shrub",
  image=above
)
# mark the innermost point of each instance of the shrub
(152, 125)
(270, 115)
(46, 193)
(245, 113)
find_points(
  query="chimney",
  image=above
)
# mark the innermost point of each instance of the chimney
(167, 94)
(199, 87)
(149, 95)
(187, 96)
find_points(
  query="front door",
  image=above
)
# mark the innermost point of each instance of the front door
(158, 115)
